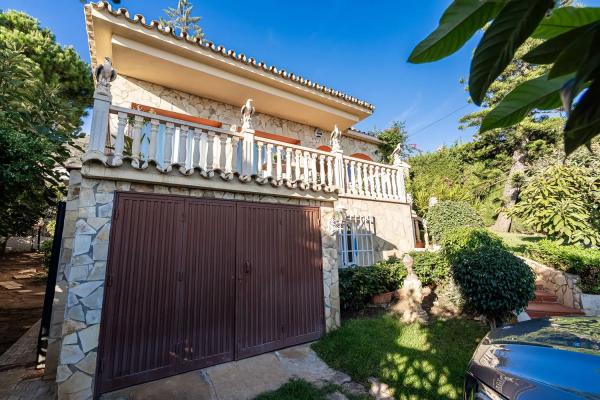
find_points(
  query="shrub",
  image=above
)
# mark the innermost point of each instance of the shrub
(448, 215)
(491, 279)
(359, 284)
(46, 249)
(571, 259)
(431, 267)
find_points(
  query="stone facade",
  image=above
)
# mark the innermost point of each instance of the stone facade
(81, 280)
(559, 283)
(393, 224)
(126, 90)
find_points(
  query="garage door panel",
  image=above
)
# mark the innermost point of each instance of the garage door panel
(140, 312)
(208, 299)
(259, 308)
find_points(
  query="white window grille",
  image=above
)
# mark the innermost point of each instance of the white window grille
(355, 241)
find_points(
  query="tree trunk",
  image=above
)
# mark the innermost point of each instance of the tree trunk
(3, 243)
(510, 194)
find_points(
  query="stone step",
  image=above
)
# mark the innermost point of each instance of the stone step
(540, 310)
(542, 296)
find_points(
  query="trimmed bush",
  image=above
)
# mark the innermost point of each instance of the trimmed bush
(431, 267)
(571, 259)
(448, 215)
(491, 279)
(359, 284)
(46, 249)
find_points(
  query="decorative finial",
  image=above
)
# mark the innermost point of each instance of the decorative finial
(248, 111)
(336, 134)
(105, 74)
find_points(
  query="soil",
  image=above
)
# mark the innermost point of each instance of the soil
(19, 311)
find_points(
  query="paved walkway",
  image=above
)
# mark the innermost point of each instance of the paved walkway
(240, 380)
(19, 380)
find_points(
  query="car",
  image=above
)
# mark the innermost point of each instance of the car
(540, 359)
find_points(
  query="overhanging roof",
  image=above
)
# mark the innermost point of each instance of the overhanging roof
(152, 53)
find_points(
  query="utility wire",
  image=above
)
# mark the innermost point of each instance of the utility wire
(438, 120)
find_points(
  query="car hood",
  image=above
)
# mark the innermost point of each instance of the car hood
(542, 359)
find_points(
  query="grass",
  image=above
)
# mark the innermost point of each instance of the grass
(518, 242)
(298, 389)
(418, 362)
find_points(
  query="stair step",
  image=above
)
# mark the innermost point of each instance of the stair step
(539, 286)
(539, 310)
(542, 296)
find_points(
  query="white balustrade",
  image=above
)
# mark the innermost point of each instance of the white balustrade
(146, 138)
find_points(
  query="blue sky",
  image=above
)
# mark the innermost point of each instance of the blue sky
(354, 46)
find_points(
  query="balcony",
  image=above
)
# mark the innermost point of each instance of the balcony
(179, 152)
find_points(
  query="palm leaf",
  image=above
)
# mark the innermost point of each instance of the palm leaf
(513, 25)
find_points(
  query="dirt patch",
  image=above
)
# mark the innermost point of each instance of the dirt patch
(19, 308)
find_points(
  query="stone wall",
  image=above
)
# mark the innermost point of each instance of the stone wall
(559, 283)
(393, 224)
(83, 276)
(126, 90)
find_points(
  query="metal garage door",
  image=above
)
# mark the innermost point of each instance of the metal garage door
(195, 282)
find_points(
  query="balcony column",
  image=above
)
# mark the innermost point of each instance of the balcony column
(104, 74)
(338, 166)
(248, 132)
(401, 167)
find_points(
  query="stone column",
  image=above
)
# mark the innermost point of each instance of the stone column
(401, 168)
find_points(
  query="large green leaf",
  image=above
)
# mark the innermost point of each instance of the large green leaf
(458, 24)
(539, 93)
(570, 59)
(584, 122)
(547, 52)
(513, 25)
(564, 19)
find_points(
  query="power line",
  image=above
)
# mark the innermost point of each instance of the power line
(438, 120)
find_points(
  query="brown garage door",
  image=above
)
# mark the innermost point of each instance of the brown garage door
(194, 282)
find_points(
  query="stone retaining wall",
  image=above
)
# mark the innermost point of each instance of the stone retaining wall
(82, 277)
(559, 283)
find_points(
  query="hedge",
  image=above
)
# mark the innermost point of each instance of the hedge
(572, 259)
(431, 267)
(448, 215)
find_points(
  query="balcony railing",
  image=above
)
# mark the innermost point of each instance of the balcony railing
(146, 139)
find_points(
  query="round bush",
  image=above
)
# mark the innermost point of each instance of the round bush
(448, 215)
(492, 280)
(431, 267)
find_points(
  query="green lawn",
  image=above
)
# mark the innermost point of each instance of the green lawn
(518, 242)
(419, 362)
(298, 389)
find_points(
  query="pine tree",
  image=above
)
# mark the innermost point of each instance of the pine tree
(181, 19)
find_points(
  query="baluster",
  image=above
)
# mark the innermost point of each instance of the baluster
(313, 167)
(329, 171)
(169, 132)
(228, 155)
(203, 151)
(153, 139)
(305, 168)
(388, 184)
(189, 149)
(347, 174)
(297, 176)
(197, 135)
(259, 146)
(210, 146)
(234, 152)
(269, 160)
(353, 182)
(394, 185)
(383, 183)
(120, 141)
(137, 140)
(288, 163)
(183, 130)
(278, 150)
(359, 180)
(216, 153)
(365, 176)
(372, 181)
(377, 178)
(322, 181)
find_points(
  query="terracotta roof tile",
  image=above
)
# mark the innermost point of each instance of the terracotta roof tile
(240, 57)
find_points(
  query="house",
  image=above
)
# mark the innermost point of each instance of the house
(216, 200)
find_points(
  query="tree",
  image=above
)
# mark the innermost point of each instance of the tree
(390, 138)
(514, 147)
(44, 91)
(571, 40)
(181, 19)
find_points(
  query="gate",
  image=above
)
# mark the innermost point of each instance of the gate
(197, 282)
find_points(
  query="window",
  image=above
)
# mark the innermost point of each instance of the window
(355, 241)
